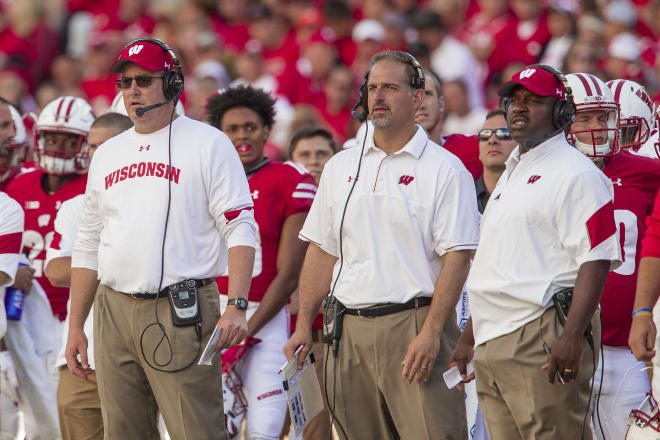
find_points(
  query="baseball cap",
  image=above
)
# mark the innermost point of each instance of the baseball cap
(145, 54)
(368, 29)
(535, 79)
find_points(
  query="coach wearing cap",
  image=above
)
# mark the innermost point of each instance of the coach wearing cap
(167, 204)
(398, 261)
(548, 226)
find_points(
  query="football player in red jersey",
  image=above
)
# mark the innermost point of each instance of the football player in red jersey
(431, 116)
(282, 195)
(62, 158)
(635, 180)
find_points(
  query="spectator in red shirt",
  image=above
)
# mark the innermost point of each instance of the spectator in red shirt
(335, 107)
(231, 24)
(369, 36)
(480, 30)
(339, 20)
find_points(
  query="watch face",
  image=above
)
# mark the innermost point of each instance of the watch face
(241, 303)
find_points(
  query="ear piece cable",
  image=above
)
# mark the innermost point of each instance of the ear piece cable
(198, 327)
(331, 408)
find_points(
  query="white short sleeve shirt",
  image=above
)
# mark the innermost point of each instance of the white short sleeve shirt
(406, 211)
(550, 212)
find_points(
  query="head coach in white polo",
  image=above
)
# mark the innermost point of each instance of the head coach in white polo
(399, 254)
(167, 209)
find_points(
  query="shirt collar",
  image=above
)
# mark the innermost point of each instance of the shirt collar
(415, 145)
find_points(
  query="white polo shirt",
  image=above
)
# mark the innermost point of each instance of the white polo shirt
(550, 212)
(407, 209)
(121, 231)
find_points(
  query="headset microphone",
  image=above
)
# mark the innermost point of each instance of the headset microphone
(535, 142)
(140, 111)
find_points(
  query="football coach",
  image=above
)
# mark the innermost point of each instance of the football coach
(167, 209)
(391, 232)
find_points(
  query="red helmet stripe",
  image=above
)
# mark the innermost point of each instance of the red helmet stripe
(68, 110)
(617, 91)
(59, 107)
(585, 83)
(596, 86)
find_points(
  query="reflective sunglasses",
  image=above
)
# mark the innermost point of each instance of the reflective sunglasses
(142, 81)
(500, 133)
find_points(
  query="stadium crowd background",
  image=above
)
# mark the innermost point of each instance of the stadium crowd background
(312, 54)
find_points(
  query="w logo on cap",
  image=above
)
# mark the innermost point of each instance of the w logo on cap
(135, 50)
(527, 73)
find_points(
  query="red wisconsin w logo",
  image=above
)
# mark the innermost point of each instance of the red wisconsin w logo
(405, 179)
(533, 179)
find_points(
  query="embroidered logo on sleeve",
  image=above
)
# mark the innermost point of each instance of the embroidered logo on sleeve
(405, 179)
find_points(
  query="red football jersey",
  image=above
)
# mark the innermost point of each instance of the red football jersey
(40, 211)
(278, 191)
(466, 148)
(636, 180)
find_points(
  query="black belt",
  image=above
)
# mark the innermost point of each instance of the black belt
(389, 308)
(163, 293)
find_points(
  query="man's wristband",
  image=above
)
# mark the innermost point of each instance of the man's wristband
(642, 312)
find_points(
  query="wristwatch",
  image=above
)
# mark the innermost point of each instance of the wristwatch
(239, 303)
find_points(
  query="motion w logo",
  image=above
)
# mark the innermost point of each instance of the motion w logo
(135, 50)
(405, 180)
(527, 73)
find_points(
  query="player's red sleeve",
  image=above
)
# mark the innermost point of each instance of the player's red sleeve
(301, 196)
(651, 241)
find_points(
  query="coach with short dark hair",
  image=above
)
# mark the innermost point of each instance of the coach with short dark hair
(396, 256)
(547, 234)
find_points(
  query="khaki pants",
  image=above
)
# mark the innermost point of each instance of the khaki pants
(371, 399)
(514, 394)
(79, 407)
(132, 392)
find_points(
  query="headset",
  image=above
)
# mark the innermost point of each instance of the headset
(563, 113)
(417, 81)
(172, 79)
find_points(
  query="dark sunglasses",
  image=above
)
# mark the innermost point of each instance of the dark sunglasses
(142, 81)
(500, 133)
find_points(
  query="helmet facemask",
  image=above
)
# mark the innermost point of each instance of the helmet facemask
(59, 162)
(599, 142)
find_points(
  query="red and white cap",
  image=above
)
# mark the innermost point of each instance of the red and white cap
(145, 54)
(535, 79)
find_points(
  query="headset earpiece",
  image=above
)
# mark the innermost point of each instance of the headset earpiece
(172, 79)
(563, 113)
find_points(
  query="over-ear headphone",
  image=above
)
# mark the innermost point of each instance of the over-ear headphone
(417, 81)
(563, 113)
(172, 79)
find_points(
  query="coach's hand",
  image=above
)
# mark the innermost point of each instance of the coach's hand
(461, 357)
(642, 337)
(300, 337)
(565, 356)
(421, 355)
(234, 328)
(76, 344)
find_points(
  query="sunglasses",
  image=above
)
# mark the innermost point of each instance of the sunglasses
(500, 133)
(142, 81)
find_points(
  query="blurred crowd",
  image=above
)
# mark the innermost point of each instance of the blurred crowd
(312, 54)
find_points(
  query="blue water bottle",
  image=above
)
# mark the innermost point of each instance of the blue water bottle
(14, 299)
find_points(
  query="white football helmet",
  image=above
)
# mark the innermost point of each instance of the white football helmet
(636, 112)
(644, 423)
(17, 147)
(67, 115)
(590, 93)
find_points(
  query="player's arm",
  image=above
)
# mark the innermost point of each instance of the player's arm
(643, 331)
(4, 278)
(290, 255)
(58, 271)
